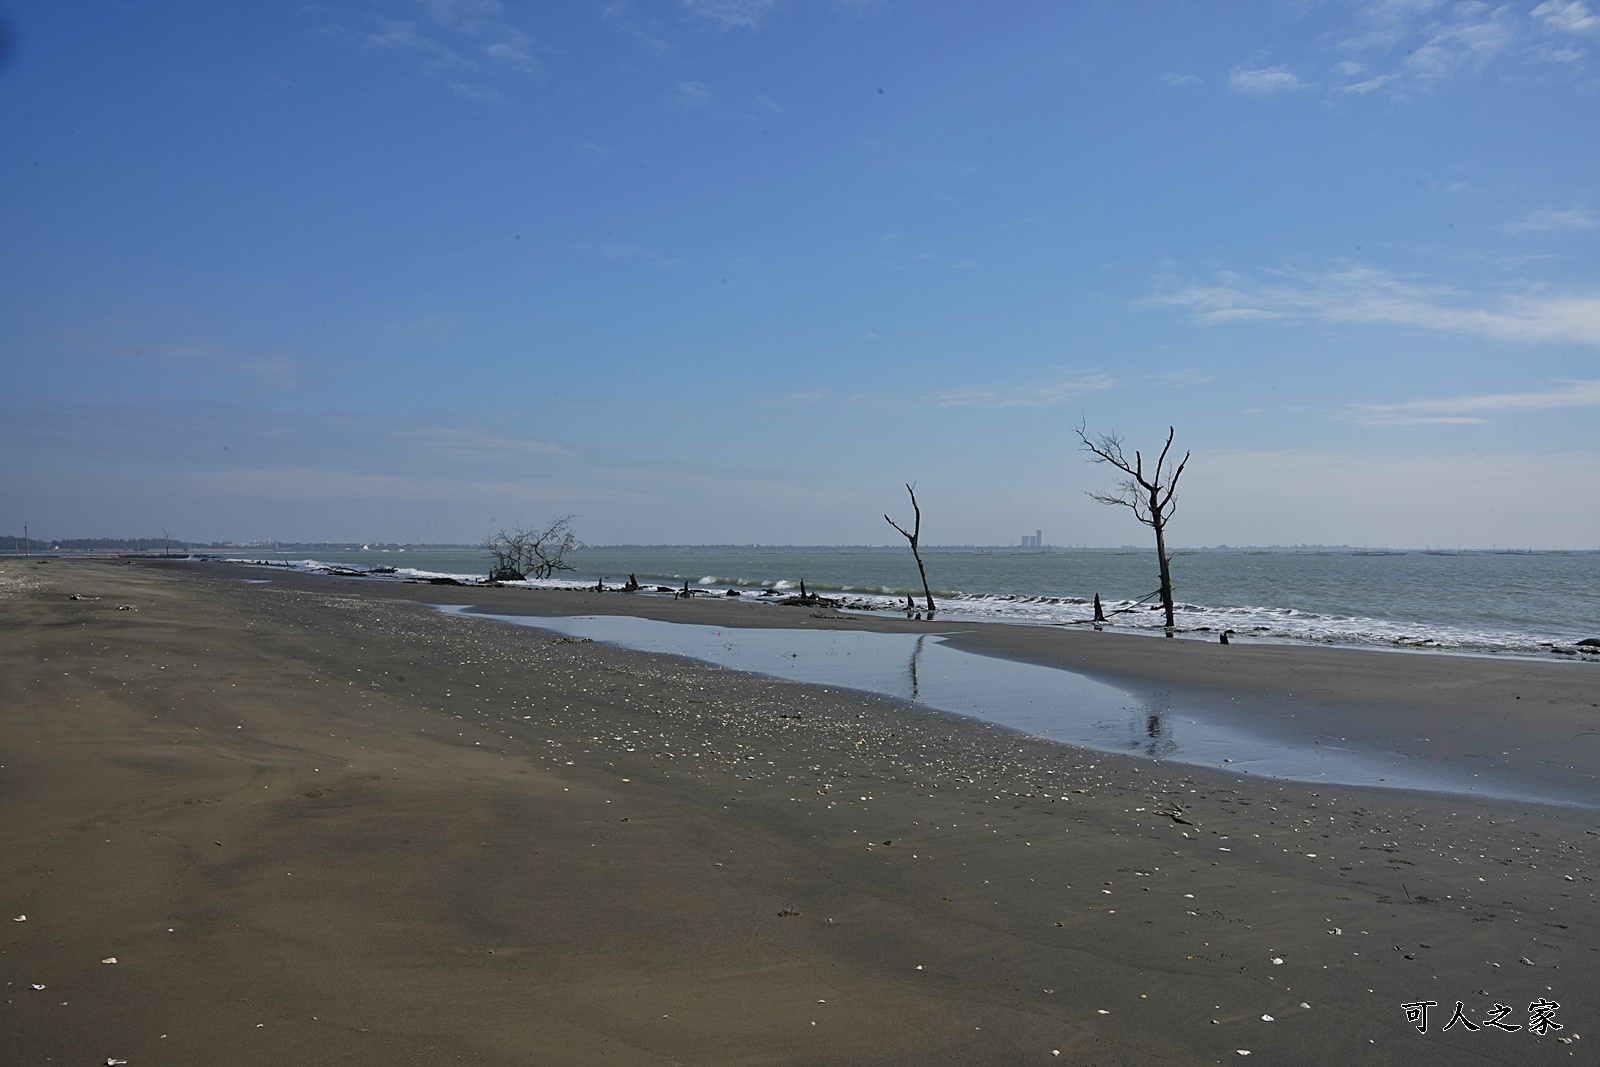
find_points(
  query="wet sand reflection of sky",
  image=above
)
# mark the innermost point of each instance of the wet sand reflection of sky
(1045, 702)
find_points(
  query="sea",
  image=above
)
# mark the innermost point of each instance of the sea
(1516, 603)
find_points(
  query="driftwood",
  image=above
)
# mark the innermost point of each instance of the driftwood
(912, 536)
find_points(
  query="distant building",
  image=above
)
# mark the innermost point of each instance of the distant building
(1035, 540)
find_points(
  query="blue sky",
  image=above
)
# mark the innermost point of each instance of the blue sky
(734, 270)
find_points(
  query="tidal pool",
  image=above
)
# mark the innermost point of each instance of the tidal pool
(1050, 703)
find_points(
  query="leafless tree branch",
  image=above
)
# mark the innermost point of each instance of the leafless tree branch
(916, 532)
(1149, 497)
(531, 553)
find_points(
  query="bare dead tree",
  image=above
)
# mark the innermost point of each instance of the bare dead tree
(1147, 494)
(531, 553)
(916, 532)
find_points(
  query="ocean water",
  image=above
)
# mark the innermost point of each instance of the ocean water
(1519, 603)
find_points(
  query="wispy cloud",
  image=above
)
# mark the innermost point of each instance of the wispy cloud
(481, 93)
(1174, 80)
(689, 95)
(1474, 408)
(479, 448)
(178, 351)
(395, 35)
(1572, 218)
(1029, 395)
(454, 40)
(627, 20)
(1369, 85)
(1174, 379)
(1426, 43)
(1264, 81)
(1365, 296)
(634, 254)
(1461, 46)
(1567, 16)
(804, 396)
(730, 13)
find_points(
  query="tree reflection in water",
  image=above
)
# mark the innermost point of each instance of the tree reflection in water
(1158, 741)
(916, 650)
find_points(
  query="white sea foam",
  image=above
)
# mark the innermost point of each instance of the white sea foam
(1522, 604)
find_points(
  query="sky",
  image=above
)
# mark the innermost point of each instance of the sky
(735, 271)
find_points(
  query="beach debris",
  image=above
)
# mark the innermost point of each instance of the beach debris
(20, 919)
(1267, 1019)
(1277, 960)
(109, 959)
(37, 986)
(1242, 1051)
(113, 1061)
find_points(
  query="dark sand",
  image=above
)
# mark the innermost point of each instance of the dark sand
(315, 822)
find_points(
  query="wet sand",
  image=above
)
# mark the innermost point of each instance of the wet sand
(315, 821)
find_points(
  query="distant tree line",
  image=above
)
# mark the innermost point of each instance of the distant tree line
(10, 543)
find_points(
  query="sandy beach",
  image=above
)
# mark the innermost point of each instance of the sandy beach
(312, 820)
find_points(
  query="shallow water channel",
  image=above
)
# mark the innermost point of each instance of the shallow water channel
(1044, 702)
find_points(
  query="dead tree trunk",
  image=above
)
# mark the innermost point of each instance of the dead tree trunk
(916, 532)
(1148, 494)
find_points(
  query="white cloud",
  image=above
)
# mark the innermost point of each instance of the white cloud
(1573, 218)
(1365, 296)
(1572, 16)
(1264, 81)
(689, 95)
(471, 91)
(458, 12)
(1173, 80)
(1174, 379)
(1385, 24)
(805, 396)
(1034, 395)
(1473, 408)
(729, 13)
(479, 448)
(1566, 55)
(1452, 49)
(1362, 88)
(1429, 43)
(628, 21)
(404, 36)
(460, 35)
(512, 54)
